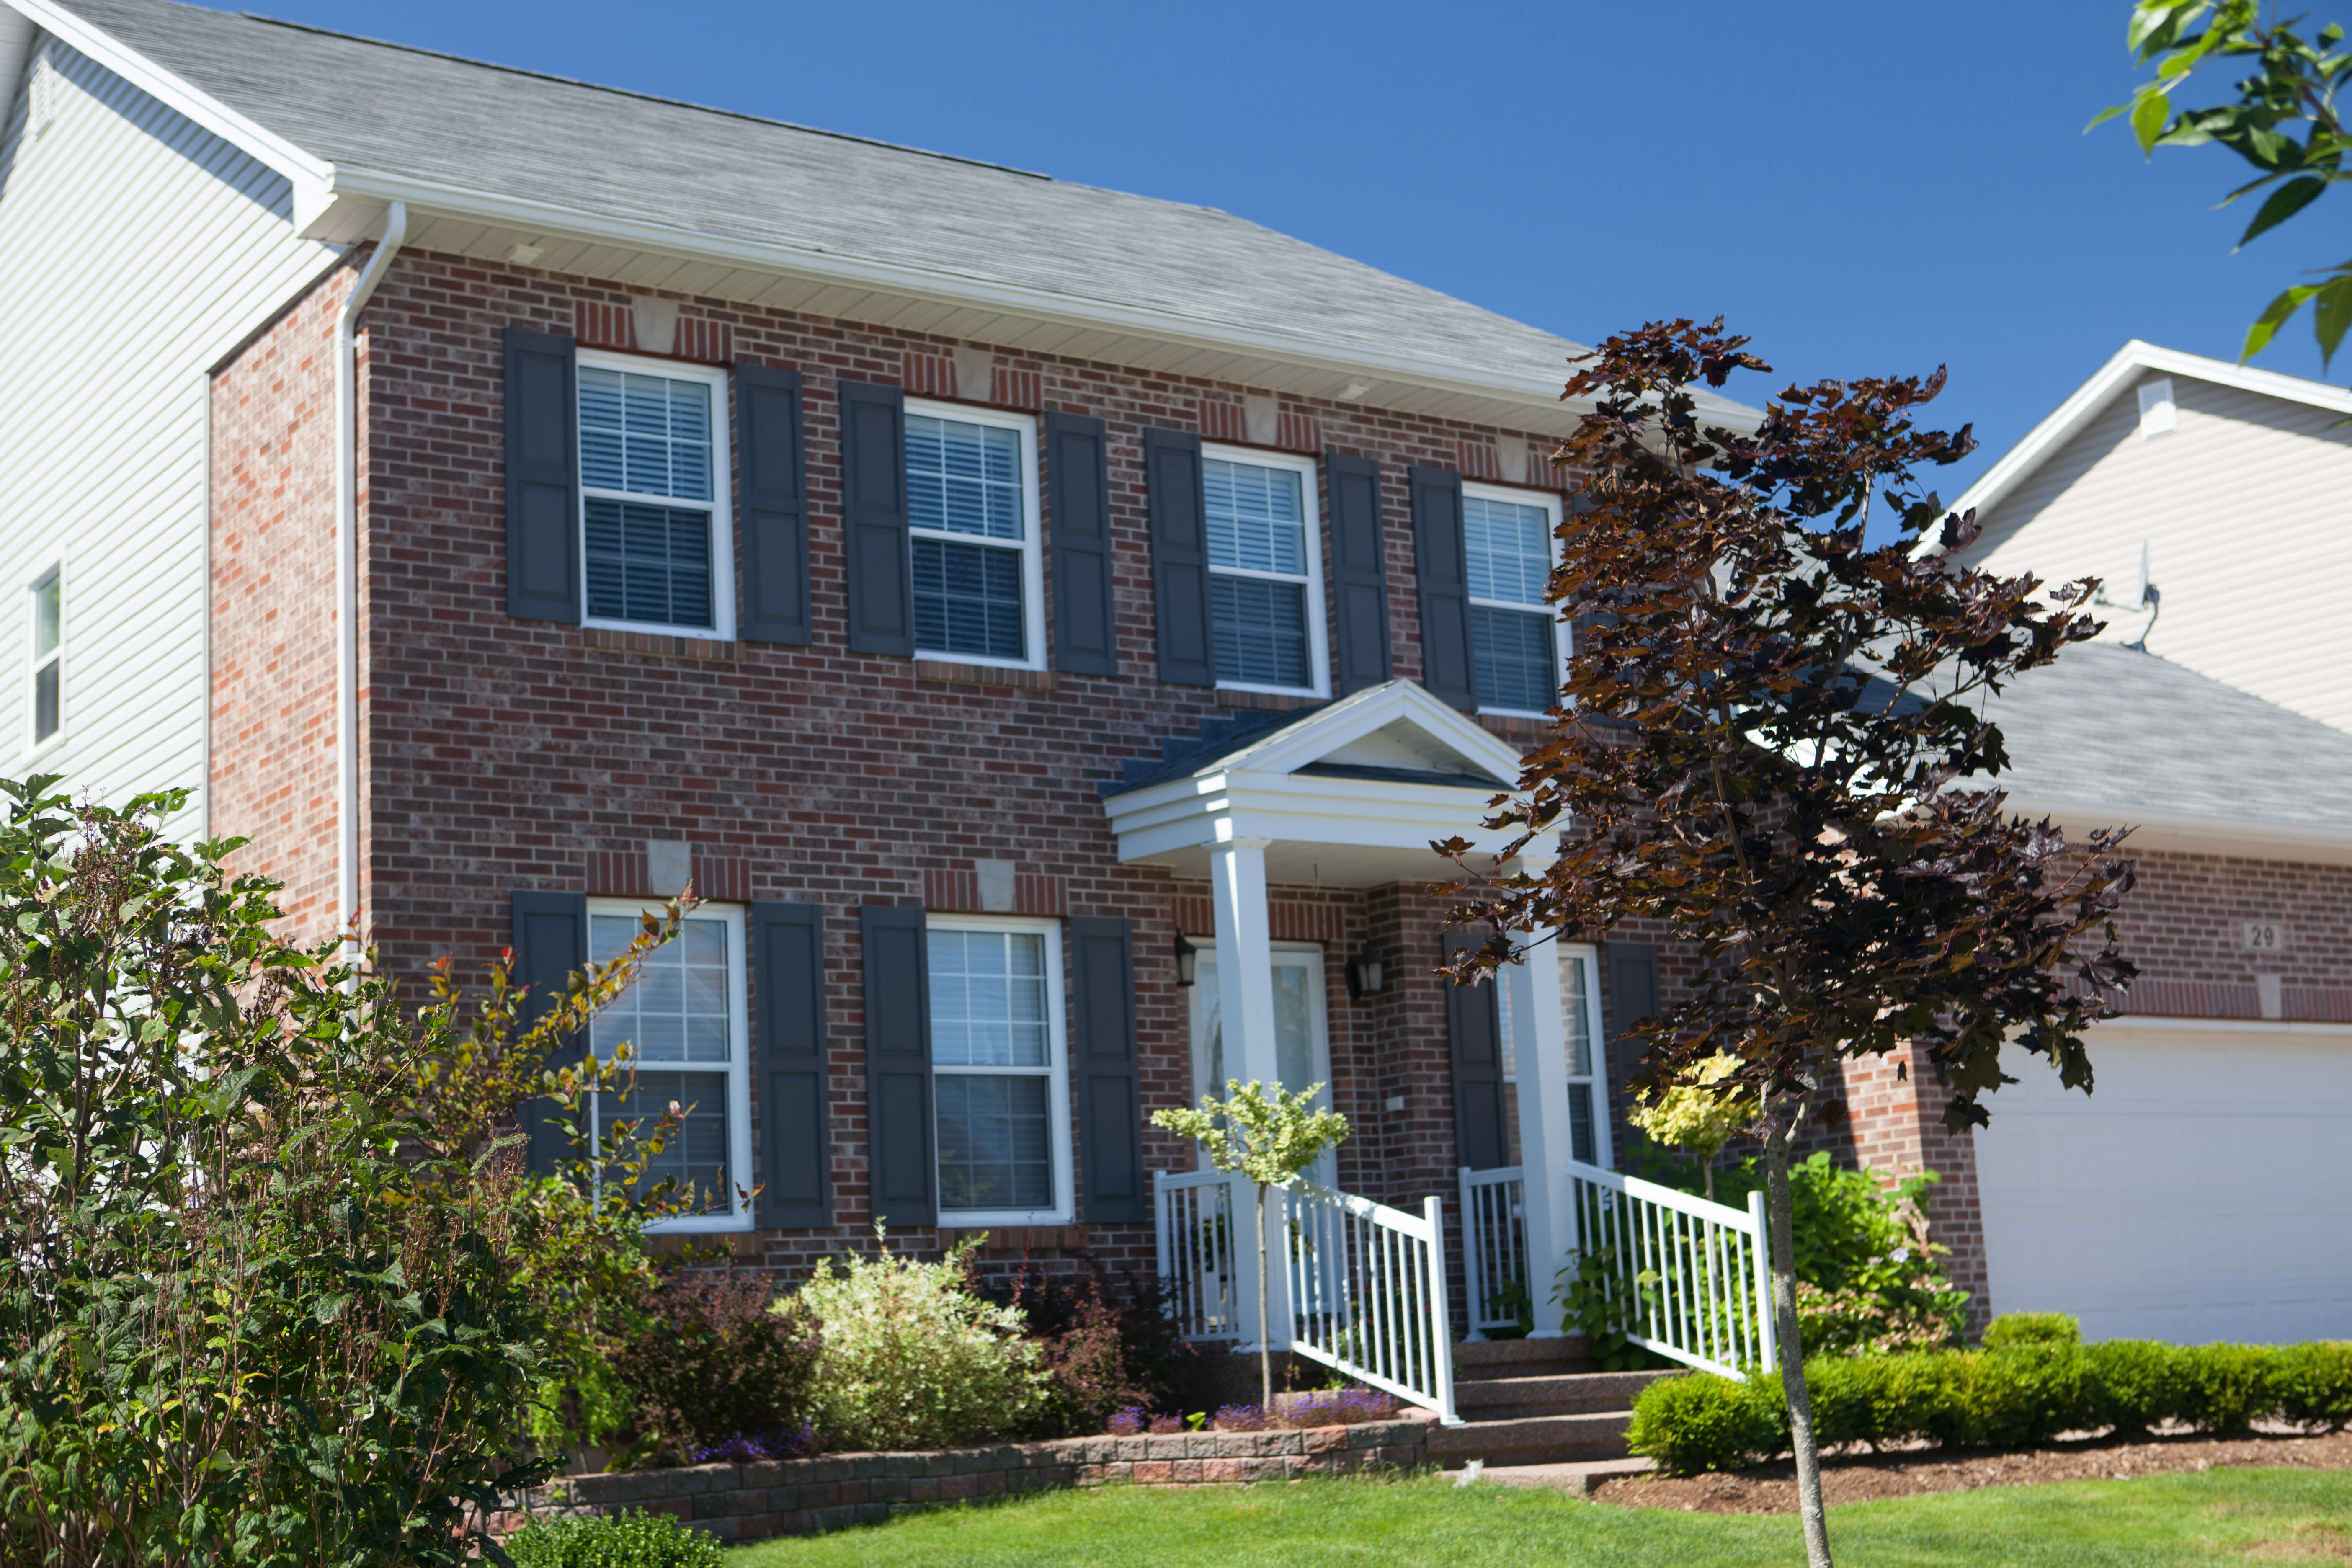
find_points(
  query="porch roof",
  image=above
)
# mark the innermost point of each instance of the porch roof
(1348, 794)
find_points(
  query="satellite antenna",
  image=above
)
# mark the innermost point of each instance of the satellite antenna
(2146, 598)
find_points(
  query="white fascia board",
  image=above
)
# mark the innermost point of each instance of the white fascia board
(1186, 813)
(312, 176)
(2093, 396)
(371, 188)
(2235, 836)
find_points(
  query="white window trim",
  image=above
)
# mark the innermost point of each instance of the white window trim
(1588, 957)
(722, 498)
(1032, 553)
(35, 743)
(1057, 1079)
(738, 1068)
(1310, 492)
(1559, 632)
(1319, 1021)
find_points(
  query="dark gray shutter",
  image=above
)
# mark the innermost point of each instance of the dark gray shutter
(1632, 996)
(1359, 567)
(543, 478)
(788, 1008)
(1473, 1041)
(874, 518)
(1180, 557)
(1110, 1107)
(898, 1166)
(1077, 494)
(1443, 569)
(551, 942)
(772, 482)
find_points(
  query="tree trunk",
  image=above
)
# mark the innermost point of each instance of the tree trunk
(1781, 1215)
(1264, 1329)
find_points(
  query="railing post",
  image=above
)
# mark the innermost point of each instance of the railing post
(1160, 1230)
(1441, 1321)
(1768, 1335)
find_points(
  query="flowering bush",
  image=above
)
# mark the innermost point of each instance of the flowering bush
(712, 1360)
(776, 1442)
(1101, 1349)
(912, 1358)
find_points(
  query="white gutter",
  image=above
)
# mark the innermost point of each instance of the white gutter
(347, 573)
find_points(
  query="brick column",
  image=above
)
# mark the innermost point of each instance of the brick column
(1897, 1108)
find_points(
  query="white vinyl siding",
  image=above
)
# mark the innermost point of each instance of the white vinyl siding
(974, 560)
(1000, 1071)
(106, 332)
(652, 497)
(1517, 643)
(1265, 570)
(684, 1017)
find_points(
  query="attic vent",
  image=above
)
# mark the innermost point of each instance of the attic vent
(2156, 414)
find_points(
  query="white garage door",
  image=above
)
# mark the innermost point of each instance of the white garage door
(2203, 1192)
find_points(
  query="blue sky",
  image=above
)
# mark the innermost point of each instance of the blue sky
(1865, 188)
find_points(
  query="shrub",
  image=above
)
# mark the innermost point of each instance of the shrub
(630, 1540)
(1701, 1422)
(713, 1362)
(2015, 1397)
(2313, 1384)
(1101, 1349)
(912, 1358)
(2134, 1384)
(2032, 1328)
(2226, 1388)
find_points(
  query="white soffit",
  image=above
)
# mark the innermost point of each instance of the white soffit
(2089, 400)
(2239, 838)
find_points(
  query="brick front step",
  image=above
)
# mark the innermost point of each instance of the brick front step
(1532, 1440)
(1574, 1393)
(1483, 1359)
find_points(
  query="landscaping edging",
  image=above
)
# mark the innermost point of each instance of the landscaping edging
(796, 1497)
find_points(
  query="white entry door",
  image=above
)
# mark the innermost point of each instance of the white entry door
(2203, 1192)
(1302, 1045)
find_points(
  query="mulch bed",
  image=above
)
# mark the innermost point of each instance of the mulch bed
(1853, 1477)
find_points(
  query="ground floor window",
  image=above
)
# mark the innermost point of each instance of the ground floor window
(684, 1017)
(1000, 1071)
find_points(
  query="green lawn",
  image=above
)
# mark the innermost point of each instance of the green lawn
(2166, 1521)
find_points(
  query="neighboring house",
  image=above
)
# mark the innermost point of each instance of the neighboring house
(2225, 487)
(999, 597)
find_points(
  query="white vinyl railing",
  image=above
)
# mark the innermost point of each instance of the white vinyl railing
(1367, 1293)
(1686, 1277)
(1200, 1278)
(1494, 1248)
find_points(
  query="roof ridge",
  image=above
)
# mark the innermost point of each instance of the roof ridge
(630, 92)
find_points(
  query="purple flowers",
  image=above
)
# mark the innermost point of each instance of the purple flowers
(1130, 1422)
(1331, 1407)
(744, 1448)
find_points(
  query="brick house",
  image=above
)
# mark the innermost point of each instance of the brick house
(1047, 626)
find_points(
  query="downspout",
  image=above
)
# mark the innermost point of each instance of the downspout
(347, 576)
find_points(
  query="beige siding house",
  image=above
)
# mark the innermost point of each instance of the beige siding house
(2230, 489)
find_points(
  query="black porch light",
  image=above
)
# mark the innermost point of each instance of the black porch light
(1367, 973)
(1187, 961)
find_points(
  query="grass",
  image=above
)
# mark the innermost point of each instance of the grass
(2162, 1521)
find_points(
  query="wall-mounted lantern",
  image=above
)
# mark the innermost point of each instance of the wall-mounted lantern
(1367, 973)
(1187, 961)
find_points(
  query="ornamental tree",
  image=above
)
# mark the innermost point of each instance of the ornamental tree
(1772, 744)
(1702, 1113)
(1269, 1136)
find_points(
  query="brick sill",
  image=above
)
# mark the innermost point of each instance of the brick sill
(940, 670)
(658, 646)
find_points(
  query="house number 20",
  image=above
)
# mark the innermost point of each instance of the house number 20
(2264, 936)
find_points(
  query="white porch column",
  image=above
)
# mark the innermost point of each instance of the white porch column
(1545, 1141)
(1245, 1015)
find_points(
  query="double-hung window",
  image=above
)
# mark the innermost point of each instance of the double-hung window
(1579, 984)
(1000, 1071)
(978, 576)
(1265, 570)
(684, 1017)
(1516, 644)
(655, 514)
(48, 663)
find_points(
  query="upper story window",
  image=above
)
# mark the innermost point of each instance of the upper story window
(1516, 647)
(1265, 572)
(685, 1016)
(48, 655)
(654, 503)
(975, 569)
(1000, 1075)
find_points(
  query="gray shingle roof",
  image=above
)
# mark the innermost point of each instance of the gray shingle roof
(390, 109)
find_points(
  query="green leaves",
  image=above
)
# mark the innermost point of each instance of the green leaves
(1267, 1134)
(2283, 204)
(2331, 315)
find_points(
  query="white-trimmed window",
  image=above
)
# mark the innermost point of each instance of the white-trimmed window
(1579, 984)
(685, 1015)
(1265, 570)
(655, 535)
(1000, 1074)
(48, 661)
(1517, 643)
(974, 563)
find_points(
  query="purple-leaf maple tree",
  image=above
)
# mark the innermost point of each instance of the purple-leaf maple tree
(1773, 744)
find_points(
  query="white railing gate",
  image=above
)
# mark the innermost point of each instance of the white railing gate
(1493, 1247)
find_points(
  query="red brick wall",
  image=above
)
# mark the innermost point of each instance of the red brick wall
(273, 597)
